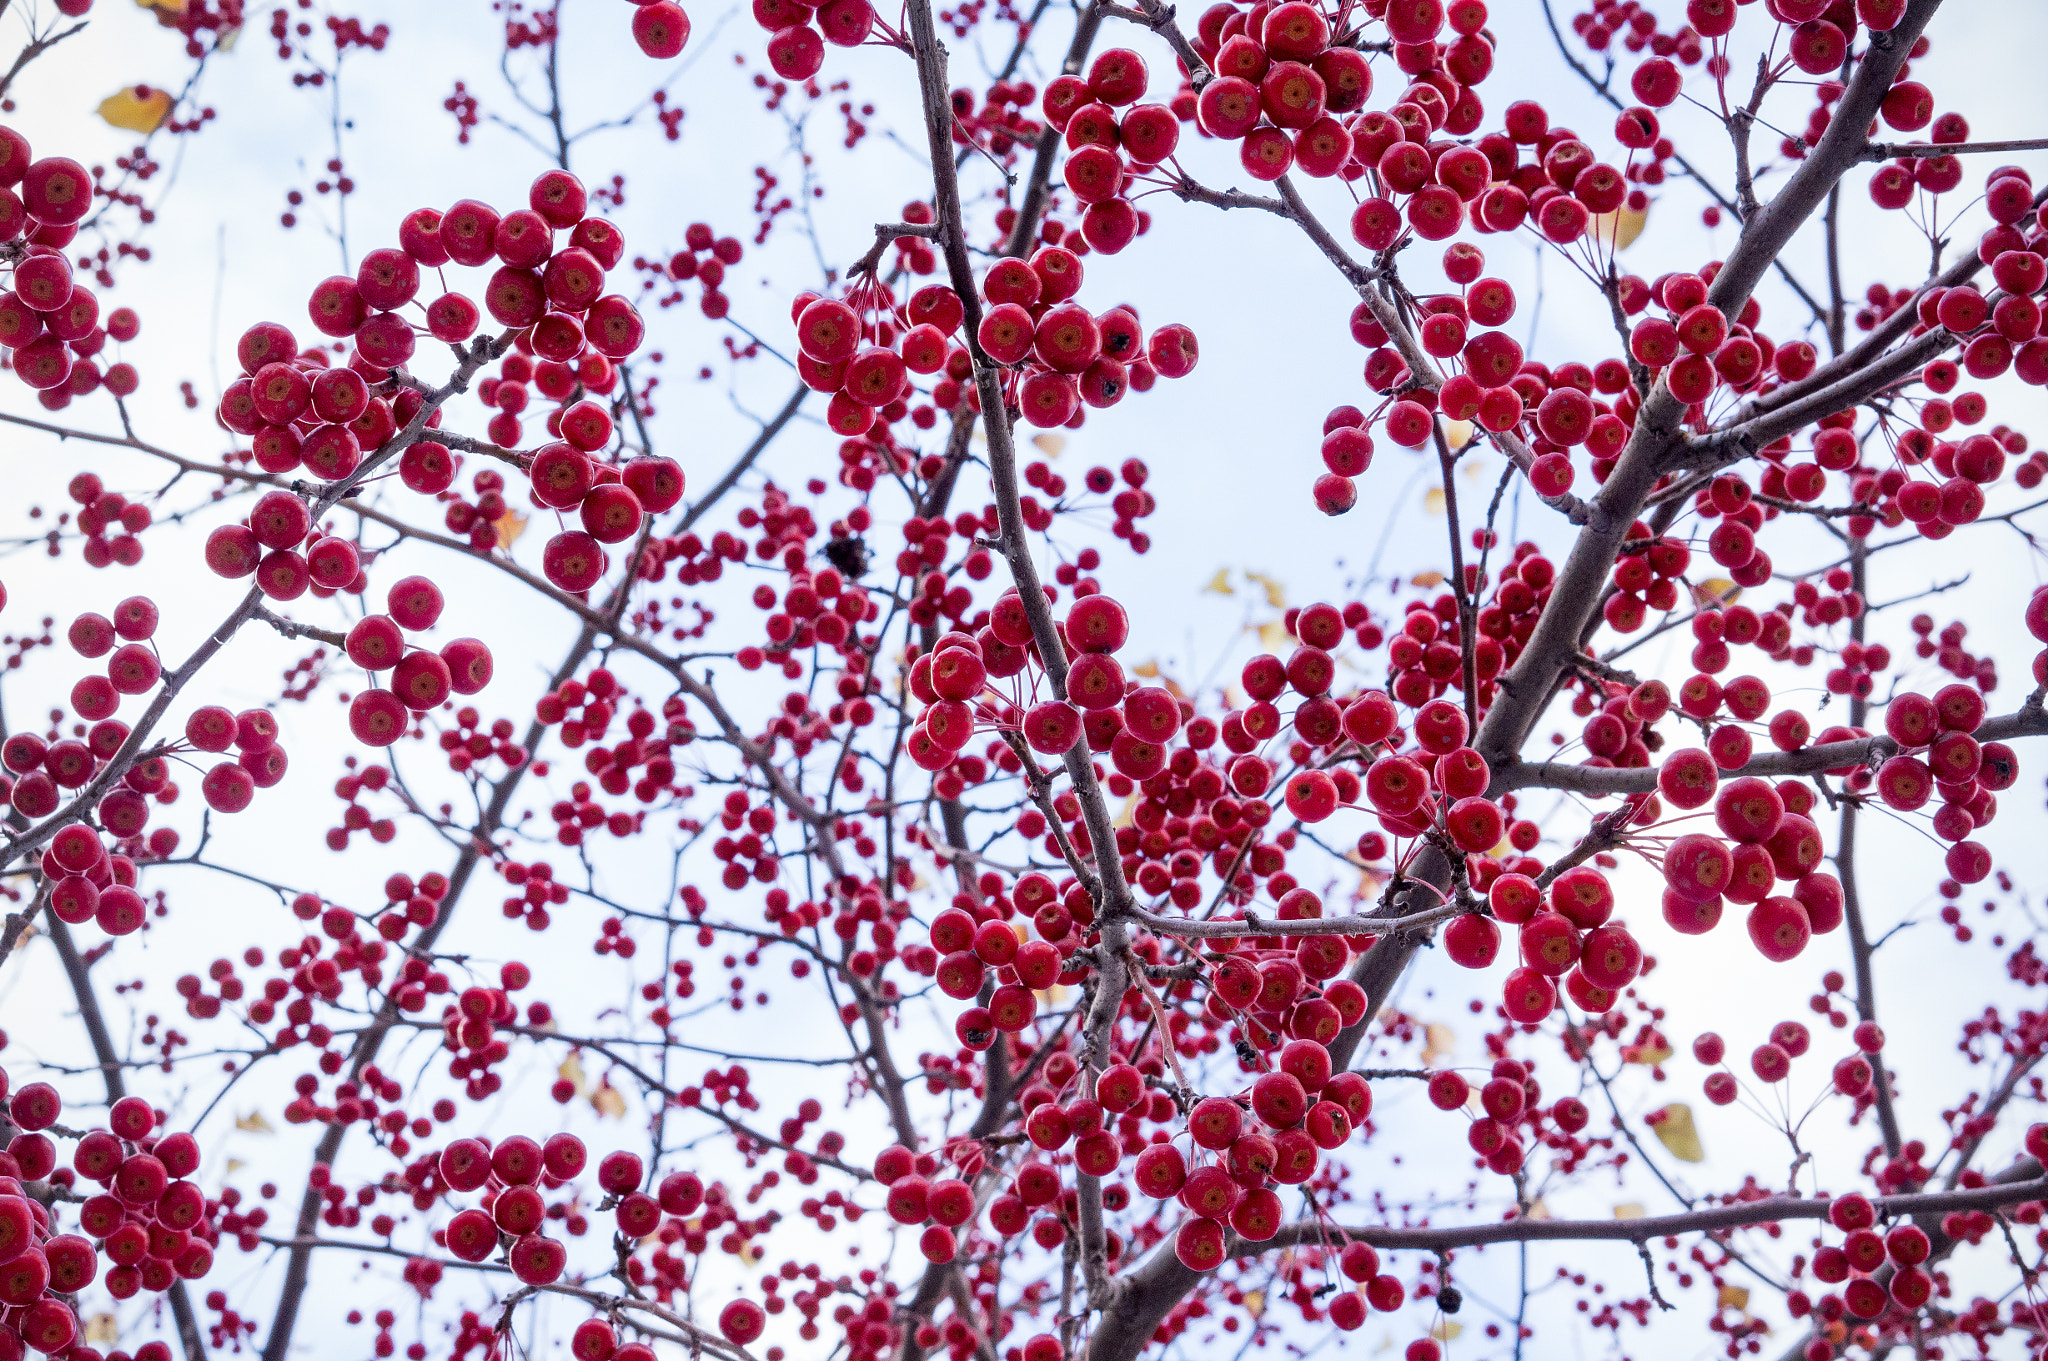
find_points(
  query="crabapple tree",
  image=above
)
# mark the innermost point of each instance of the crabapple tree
(510, 852)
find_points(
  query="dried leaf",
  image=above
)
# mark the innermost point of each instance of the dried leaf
(102, 1330)
(139, 108)
(1458, 434)
(1619, 228)
(1674, 1128)
(167, 7)
(1439, 1041)
(1630, 1210)
(1426, 579)
(1255, 1303)
(1220, 583)
(572, 1073)
(607, 1102)
(510, 526)
(1433, 501)
(1445, 1329)
(235, 1165)
(1273, 635)
(254, 1123)
(1148, 668)
(1734, 1297)
(1715, 592)
(1054, 996)
(1649, 1055)
(1538, 1209)
(1276, 594)
(1127, 812)
(1049, 445)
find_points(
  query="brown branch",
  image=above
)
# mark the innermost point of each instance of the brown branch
(2028, 721)
(1890, 151)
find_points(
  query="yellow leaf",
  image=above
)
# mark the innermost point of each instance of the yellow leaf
(1619, 228)
(1273, 635)
(1426, 579)
(1675, 1130)
(1538, 1209)
(1458, 434)
(1438, 1042)
(572, 1073)
(1255, 1303)
(1446, 1329)
(1050, 997)
(1276, 594)
(1630, 1210)
(510, 526)
(1124, 815)
(1220, 583)
(607, 1102)
(1433, 500)
(1148, 669)
(101, 1330)
(1647, 1055)
(235, 1165)
(139, 108)
(1050, 445)
(1715, 592)
(167, 6)
(254, 1123)
(1734, 1297)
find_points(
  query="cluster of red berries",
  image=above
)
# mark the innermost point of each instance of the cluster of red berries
(1869, 1254)
(420, 679)
(819, 607)
(1302, 1109)
(1946, 649)
(469, 742)
(1425, 656)
(1638, 31)
(799, 31)
(50, 323)
(1939, 758)
(1001, 124)
(153, 1227)
(1060, 356)
(513, 1175)
(355, 817)
(719, 253)
(299, 410)
(538, 890)
(111, 523)
(1510, 1102)
(89, 881)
